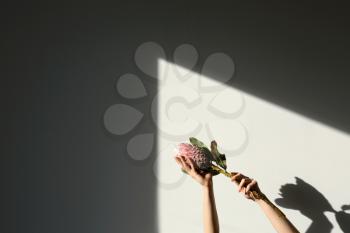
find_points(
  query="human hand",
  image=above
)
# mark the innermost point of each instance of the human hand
(246, 185)
(188, 166)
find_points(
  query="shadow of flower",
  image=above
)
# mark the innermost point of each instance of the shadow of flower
(310, 202)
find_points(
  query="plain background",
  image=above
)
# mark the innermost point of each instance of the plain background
(63, 172)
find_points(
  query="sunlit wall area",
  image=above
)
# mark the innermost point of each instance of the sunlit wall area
(299, 163)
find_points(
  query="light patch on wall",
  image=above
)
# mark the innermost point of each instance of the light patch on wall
(260, 139)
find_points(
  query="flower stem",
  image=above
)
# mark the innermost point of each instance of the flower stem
(230, 174)
(257, 195)
(222, 171)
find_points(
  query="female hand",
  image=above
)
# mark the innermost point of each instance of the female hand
(246, 185)
(277, 218)
(188, 166)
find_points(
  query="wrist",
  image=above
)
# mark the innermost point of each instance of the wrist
(265, 204)
(259, 201)
(207, 186)
(262, 200)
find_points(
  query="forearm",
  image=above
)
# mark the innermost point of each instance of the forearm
(210, 216)
(278, 220)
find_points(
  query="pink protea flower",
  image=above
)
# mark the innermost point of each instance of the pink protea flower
(195, 153)
(203, 158)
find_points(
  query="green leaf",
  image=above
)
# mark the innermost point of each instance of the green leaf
(219, 158)
(194, 141)
(207, 153)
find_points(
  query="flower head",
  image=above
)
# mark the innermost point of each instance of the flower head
(198, 155)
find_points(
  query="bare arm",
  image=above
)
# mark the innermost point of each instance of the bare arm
(278, 220)
(210, 216)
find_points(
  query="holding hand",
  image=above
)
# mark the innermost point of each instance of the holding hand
(246, 185)
(188, 166)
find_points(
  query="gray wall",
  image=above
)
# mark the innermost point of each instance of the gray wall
(68, 174)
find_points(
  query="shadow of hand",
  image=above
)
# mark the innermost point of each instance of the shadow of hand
(310, 202)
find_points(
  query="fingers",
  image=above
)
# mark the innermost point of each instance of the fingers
(185, 165)
(191, 163)
(195, 173)
(244, 183)
(250, 185)
(235, 178)
(178, 161)
(241, 184)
